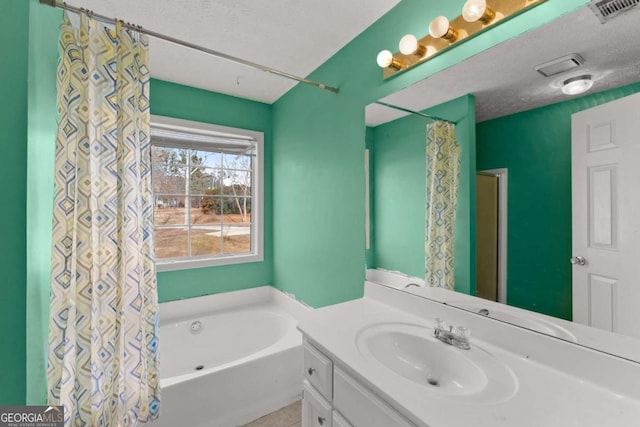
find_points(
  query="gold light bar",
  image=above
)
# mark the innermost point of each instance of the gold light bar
(497, 12)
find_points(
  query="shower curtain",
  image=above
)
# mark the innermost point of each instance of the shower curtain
(443, 166)
(103, 328)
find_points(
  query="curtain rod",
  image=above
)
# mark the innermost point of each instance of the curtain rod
(170, 39)
(406, 110)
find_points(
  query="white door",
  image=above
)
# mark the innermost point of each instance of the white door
(606, 216)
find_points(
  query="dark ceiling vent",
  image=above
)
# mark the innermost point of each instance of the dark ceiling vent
(606, 10)
(560, 65)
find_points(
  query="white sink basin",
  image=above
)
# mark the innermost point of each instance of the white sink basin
(414, 355)
(533, 322)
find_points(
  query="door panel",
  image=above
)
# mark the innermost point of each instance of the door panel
(487, 236)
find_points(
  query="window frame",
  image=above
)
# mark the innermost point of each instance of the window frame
(257, 197)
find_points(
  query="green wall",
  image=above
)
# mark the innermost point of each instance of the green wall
(399, 193)
(319, 138)
(14, 33)
(535, 146)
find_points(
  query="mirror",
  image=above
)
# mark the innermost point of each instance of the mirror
(516, 159)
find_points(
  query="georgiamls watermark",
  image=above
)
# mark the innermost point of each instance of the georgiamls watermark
(31, 416)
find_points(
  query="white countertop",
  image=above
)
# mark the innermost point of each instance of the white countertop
(544, 396)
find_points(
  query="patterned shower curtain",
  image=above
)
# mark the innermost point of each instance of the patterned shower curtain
(443, 166)
(103, 329)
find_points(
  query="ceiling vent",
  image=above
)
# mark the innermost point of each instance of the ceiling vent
(606, 10)
(560, 65)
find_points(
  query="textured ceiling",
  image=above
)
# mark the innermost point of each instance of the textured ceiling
(295, 36)
(503, 78)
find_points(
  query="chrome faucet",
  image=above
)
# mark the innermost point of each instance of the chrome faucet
(457, 336)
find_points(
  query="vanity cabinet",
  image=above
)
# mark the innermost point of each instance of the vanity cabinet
(333, 398)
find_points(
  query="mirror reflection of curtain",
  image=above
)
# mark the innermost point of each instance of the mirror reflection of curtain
(103, 329)
(443, 168)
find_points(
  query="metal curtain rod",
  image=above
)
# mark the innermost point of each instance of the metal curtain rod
(406, 110)
(221, 55)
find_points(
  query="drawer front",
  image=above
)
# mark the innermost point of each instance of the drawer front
(361, 407)
(316, 411)
(318, 370)
(339, 421)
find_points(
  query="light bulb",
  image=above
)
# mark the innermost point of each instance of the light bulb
(577, 85)
(408, 44)
(477, 10)
(439, 27)
(473, 10)
(385, 58)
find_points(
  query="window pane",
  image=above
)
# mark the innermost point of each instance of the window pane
(168, 179)
(232, 161)
(237, 225)
(170, 242)
(237, 209)
(206, 210)
(169, 210)
(205, 181)
(205, 240)
(169, 156)
(237, 183)
(207, 159)
(169, 170)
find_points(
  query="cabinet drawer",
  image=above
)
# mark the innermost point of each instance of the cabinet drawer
(361, 407)
(318, 370)
(316, 412)
(339, 421)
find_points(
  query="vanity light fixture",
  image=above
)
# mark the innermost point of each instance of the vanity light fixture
(577, 85)
(440, 28)
(477, 16)
(477, 10)
(386, 60)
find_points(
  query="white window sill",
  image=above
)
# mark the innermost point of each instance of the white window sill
(185, 264)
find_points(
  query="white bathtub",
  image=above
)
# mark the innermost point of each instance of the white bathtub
(243, 362)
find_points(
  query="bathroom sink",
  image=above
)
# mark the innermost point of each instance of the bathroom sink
(534, 322)
(415, 356)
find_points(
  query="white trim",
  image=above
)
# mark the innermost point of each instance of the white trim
(257, 197)
(367, 203)
(503, 193)
(187, 263)
(204, 128)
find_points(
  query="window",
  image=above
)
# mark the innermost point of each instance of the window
(207, 189)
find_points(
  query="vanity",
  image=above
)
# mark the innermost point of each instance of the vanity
(374, 362)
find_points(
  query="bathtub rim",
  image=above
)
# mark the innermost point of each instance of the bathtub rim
(184, 309)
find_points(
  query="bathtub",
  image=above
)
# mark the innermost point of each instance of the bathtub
(229, 358)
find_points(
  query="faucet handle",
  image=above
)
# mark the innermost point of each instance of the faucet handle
(462, 333)
(439, 324)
